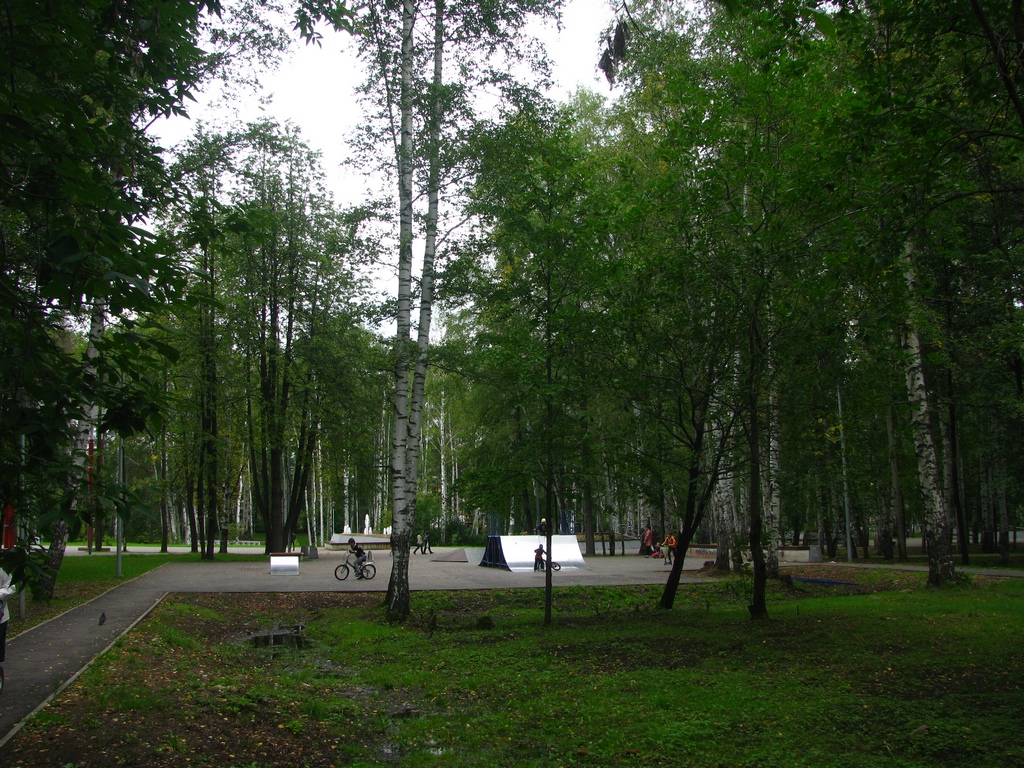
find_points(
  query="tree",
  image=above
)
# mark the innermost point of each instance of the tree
(79, 86)
(274, 255)
(535, 196)
(422, 118)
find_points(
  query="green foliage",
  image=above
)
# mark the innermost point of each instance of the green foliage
(722, 248)
(458, 534)
(79, 84)
(310, 12)
(275, 268)
(25, 563)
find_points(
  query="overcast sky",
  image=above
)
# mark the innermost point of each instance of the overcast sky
(314, 89)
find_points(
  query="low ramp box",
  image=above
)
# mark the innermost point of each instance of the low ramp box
(284, 563)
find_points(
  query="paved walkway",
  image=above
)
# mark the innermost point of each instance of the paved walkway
(42, 661)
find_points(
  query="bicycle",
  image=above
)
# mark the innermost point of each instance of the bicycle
(554, 566)
(368, 570)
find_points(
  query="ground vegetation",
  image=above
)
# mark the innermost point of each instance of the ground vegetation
(866, 667)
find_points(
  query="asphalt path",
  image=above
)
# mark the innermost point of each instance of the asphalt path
(45, 659)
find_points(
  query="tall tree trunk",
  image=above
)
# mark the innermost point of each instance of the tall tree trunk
(300, 475)
(277, 533)
(1004, 512)
(723, 504)
(725, 519)
(951, 469)
(590, 544)
(402, 491)
(698, 497)
(940, 562)
(897, 487)
(165, 509)
(209, 479)
(201, 519)
(208, 467)
(443, 445)
(758, 605)
(690, 521)
(773, 518)
(190, 512)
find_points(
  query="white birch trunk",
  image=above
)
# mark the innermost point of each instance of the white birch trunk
(403, 507)
(429, 254)
(409, 395)
(324, 538)
(443, 447)
(940, 562)
(312, 502)
(739, 524)
(773, 503)
(456, 501)
(725, 513)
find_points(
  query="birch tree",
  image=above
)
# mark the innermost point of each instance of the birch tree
(421, 115)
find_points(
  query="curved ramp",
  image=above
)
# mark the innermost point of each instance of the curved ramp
(515, 553)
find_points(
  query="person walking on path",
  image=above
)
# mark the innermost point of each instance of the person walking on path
(647, 543)
(426, 543)
(419, 544)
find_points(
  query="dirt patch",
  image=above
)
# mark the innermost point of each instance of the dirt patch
(225, 617)
(825, 579)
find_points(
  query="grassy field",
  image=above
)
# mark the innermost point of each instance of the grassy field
(885, 673)
(82, 578)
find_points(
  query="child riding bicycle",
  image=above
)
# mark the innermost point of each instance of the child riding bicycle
(360, 555)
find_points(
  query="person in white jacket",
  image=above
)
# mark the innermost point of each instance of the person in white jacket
(7, 589)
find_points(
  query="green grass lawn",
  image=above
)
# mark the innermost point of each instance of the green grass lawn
(84, 577)
(897, 675)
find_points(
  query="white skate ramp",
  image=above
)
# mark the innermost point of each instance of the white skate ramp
(516, 553)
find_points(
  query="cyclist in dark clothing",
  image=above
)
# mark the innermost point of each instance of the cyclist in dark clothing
(360, 554)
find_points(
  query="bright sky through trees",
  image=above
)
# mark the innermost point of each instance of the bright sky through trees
(314, 89)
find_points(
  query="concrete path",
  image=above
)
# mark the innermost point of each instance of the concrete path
(42, 661)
